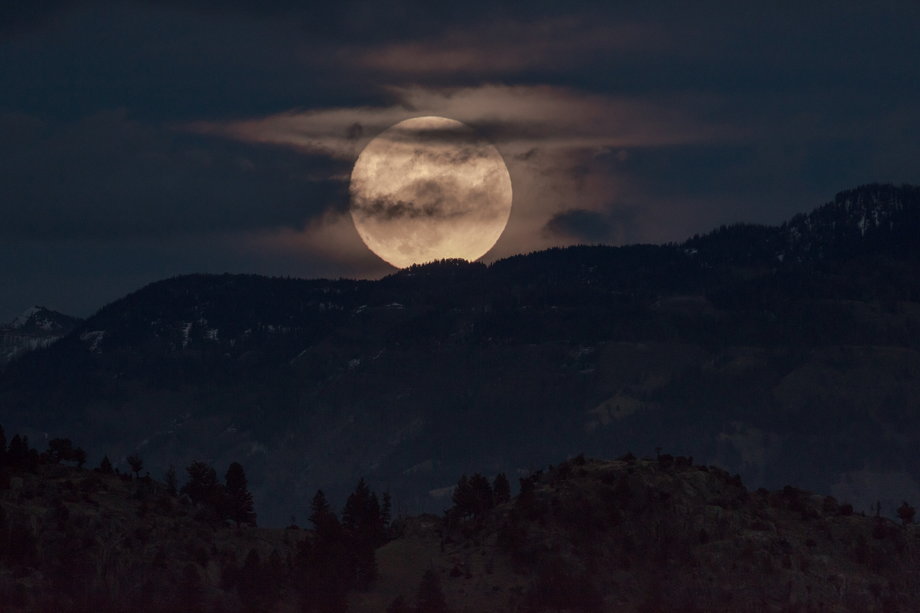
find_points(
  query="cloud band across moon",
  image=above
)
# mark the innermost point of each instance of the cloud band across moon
(561, 147)
(428, 188)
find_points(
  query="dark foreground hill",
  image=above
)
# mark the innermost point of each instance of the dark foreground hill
(788, 353)
(653, 536)
(643, 535)
(76, 540)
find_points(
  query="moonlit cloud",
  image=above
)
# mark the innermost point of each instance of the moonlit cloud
(222, 135)
(557, 142)
(515, 118)
(500, 48)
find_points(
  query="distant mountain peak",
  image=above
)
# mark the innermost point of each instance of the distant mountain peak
(874, 218)
(23, 318)
(35, 327)
(42, 319)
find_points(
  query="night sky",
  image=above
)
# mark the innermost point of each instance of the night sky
(140, 140)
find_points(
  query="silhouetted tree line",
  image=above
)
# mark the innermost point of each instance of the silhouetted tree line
(18, 455)
(475, 496)
(229, 500)
(335, 557)
(340, 554)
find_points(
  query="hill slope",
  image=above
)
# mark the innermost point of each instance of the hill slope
(657, 535)
(791, 354)
(586, 536)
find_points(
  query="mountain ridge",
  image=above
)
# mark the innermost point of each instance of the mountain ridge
(715, 347)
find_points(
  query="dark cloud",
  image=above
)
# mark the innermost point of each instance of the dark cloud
(18, 17)
(593, 227)
(429, 200)
(364, 20)
(108, 176)
(167, 63)
(581, 225)
(389, 210)
(694, 113)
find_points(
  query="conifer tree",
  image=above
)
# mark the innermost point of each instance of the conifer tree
(59, 449)
(137, 464)
(464, 499)
(364, 528)
(172, 482)
(386, 510)
(320, 513)
(482, 494)
(202, 486)
(239, 501)
(18, 452)
(906, 512)
(501, 489)
(105, 466)
(328, 570)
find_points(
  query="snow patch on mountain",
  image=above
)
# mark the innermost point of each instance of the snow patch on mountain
(23, 318)
(34, 328)
(92, 338)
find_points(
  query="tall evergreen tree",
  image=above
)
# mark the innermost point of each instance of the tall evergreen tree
(386, 511)
(239, 501)
(906, 512)
(202, 486)
(501, 489)
(59, 449)
(464, 499)
(364, 528)
(320, 512)
(172, 482)
(363, 516)
(136, 463)
(105, 466)
(18, 451)
(15, 446)
(329, 569)
(482, 494)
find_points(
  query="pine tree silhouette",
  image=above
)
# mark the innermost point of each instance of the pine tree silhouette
(137, 465)
(239, 501)
(501, 489)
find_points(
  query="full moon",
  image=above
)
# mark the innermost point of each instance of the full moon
(428, 188)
